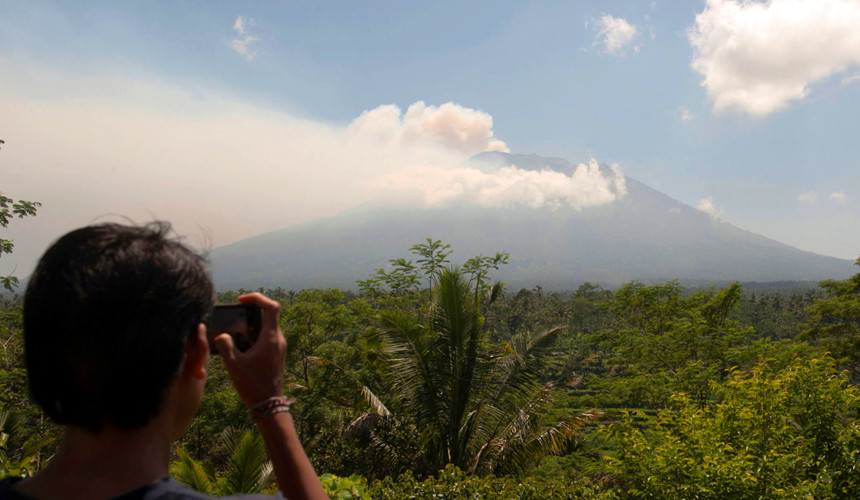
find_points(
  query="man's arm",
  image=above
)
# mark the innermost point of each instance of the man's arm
(296, 477)
(258, 374)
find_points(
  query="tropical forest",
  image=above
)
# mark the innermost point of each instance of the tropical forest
(432, 380)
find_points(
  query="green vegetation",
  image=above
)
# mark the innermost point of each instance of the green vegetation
(10, 209)
(20, 455)
(247, 469)
(435, 382)
(835, 322)
(787, 433)
(473, 406)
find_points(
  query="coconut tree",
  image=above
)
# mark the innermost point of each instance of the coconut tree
(474, 407)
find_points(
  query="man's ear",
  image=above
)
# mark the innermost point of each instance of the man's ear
(197, 353)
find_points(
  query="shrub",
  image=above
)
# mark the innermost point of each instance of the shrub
(791, 433)
(452, 483)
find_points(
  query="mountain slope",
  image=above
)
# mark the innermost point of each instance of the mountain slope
(645, 235)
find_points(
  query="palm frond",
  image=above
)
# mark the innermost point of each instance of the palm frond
(191, 473)
(267, 482)
(231, 436)
(414, 367)
(525, 418)
(9, 422)
(532, 345)
(511, 387)
(523, 456)
(514, 422)
(374, 402)
(246, 465)
(522, 349)
(470, 425)
(35, 443)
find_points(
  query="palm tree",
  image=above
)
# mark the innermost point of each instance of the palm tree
(247, 471)
(474, 409)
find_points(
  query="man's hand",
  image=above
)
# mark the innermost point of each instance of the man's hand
(257, 373)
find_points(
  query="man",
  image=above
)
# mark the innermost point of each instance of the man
(116, 350)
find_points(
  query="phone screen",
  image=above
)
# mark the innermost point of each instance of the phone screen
(241, 321)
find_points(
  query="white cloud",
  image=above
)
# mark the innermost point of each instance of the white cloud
(508, 186)
(616, 35)
(809, 197)
(707, 205)
(757, 57)
(686, 115)
(242, 42)
(239, 25)
(451, 126)
(848, 80)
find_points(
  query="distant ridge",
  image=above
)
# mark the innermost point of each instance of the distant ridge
(645, 235)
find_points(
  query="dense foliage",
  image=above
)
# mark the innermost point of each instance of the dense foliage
(788, 433)
(435, 382)
(452, 483)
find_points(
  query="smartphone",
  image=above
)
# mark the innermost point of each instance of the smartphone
(241, 321)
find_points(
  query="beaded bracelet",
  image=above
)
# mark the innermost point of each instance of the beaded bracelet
(270, 406)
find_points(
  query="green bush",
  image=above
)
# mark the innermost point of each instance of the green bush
(346, 488)
(791, 433)
(452, 483)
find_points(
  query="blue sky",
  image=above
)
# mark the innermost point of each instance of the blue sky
(232, 118)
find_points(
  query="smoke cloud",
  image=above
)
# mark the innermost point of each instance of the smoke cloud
(506, 187)
(449, 126)
(222, 170)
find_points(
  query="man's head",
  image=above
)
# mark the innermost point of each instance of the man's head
(106, 317)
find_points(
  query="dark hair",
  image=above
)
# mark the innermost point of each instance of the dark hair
(106, 316)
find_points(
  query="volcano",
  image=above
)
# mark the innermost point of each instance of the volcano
(644, 235)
